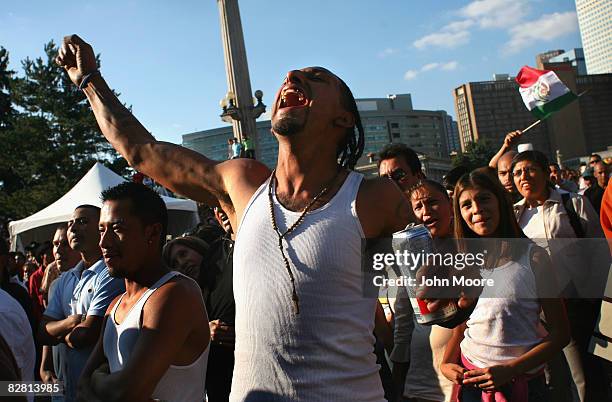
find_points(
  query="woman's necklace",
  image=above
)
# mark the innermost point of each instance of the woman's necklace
(271, 187)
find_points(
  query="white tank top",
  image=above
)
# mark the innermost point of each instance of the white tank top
(506, 321)
(326, 352)
(179, 383)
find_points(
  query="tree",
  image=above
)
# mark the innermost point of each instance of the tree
(477, 154)
(48, 133)
(6, 78)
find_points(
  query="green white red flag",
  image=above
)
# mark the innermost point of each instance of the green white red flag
(543, 92)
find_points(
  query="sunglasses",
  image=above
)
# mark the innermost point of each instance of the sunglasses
(396, 175)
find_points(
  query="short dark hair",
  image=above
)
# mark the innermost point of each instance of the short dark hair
(41, 250)
(536, 157)
(30, 248)
(401, 150)
(452, 177)
(88, 206)
(595, 155)
(147, 205)
(555, 164)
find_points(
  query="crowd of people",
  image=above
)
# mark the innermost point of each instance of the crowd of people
(265, 301)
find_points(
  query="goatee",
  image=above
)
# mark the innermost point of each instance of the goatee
(287, 126)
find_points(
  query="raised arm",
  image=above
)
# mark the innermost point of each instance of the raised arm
(177, 168)
(509, 141)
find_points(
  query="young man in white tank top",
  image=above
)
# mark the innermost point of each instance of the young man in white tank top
(155, 335)
(316, 122)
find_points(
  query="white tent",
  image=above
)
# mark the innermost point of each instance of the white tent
(182, 214)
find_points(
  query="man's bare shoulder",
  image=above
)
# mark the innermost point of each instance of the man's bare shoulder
(244, 170)
(379, 192)
(180, 288)
(382, 207)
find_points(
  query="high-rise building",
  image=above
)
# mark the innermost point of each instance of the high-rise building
(490, 109)
(452, 136)
(595, 22)
(575, 57)
(487, 111)
(392, 119)
(384, 120)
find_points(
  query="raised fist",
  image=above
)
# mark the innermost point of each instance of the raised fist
(77, 57)
(512, 138)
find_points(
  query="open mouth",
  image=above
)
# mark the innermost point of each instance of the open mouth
(430, 222)
(293, 97)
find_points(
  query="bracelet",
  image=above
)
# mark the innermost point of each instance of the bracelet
(88, 78)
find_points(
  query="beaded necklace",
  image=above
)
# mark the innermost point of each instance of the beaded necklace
(281, 236)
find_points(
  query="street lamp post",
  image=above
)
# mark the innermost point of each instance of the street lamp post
(238, 108)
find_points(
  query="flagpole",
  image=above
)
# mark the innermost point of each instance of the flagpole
(535, 123)
(532, 125)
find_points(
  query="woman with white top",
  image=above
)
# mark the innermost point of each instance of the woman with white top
(499, 352)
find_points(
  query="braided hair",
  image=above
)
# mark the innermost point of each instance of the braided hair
(351, 147)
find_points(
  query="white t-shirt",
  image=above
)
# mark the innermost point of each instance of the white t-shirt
(16, 331)
(532, 223)
(506, 321)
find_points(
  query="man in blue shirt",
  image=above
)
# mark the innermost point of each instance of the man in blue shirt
(80, 298)
(236, 149)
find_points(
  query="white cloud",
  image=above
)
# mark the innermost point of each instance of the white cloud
(410, 75)
(430, 66)
(495, 13)
(458, 26)
(443, 39)
(388, 52)
(545, 28)
(450, 66)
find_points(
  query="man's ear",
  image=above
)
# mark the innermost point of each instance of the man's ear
(153, 233)
(345, 120)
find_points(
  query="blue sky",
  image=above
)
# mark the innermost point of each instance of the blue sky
(166, 58)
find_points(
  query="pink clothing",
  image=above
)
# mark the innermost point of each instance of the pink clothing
(520, 388)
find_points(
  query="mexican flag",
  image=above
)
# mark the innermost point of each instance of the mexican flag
(543, 92)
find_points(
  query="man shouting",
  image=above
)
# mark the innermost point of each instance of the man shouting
(303, 327)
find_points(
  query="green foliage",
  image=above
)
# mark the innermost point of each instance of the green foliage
(477, 154)
(49, 137)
